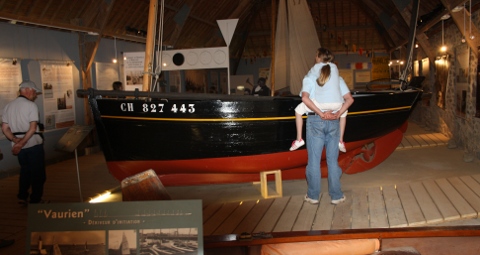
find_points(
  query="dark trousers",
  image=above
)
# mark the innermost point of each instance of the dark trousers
(32, 173)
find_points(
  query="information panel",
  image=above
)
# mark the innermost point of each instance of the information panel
(141, 227)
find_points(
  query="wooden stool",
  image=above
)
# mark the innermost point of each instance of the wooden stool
(278, 183)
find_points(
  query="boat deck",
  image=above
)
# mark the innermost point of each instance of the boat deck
(427, 202)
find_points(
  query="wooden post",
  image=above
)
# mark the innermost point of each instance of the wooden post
(150, 44)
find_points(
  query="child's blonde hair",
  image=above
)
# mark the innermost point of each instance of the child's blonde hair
(325, 56)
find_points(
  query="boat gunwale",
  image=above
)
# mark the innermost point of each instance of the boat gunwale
(147, 96)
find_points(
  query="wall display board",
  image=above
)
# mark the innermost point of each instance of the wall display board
(58, 96)
(73, 137)
(133, 70)
(146, 227)
(106, 74)
(362, 76)
(380, 69)
(347, 75)
(10, 78)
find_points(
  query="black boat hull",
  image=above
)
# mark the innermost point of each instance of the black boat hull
(214, 134)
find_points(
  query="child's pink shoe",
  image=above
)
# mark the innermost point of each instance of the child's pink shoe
(341, 147)
(297, 144)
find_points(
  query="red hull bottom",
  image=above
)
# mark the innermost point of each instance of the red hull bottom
(361, 156)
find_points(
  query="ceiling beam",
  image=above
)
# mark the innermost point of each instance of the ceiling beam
(421, 37)
(458, 18)
(179, 20)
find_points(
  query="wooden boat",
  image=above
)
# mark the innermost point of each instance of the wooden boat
(195, 139)
(210, 138)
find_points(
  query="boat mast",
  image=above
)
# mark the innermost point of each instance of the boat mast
(272, 41)
(150, 45)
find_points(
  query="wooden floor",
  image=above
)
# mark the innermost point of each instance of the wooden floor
(414, 204)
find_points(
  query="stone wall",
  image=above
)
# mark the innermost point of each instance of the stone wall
(462, 129)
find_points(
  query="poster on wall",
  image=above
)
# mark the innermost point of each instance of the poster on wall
(347, 75)
(441, 77)
(10, 78)
(142, 227)
(133, 70)
(362, 76)
(106, 74)
(58, 97)
(380, 68)
(462, 56)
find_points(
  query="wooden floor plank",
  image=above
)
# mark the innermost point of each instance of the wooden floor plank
(305, 217)
(472, 199)
(476, 177)
(289, 215)
(472, 183)
(235, 218)
(360, 215)
(447, 209)
(406, 143)
(420, 140)
(400, 146)
(429, 209)
(217, 219)
(438, 138)
(413, 213)
(267, 223)
(376, 206)
(395, 212)
(210, 209)
(254, 216)
(427, 139)
(342, 216)
(323, 219)
(460, 204)
(434, 139)
(412, 141)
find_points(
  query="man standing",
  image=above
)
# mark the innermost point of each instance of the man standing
(20, 125)
(261, 88)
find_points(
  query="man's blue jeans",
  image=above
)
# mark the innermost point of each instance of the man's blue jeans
(323, 133)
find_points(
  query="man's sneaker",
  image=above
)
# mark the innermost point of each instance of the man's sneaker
(338, 201)
(297, 144)
(309, 200)
(341, 147)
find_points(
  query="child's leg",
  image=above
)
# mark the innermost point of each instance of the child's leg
(299, 124)
(343, 123)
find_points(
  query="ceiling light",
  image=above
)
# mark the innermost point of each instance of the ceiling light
(458, 8)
